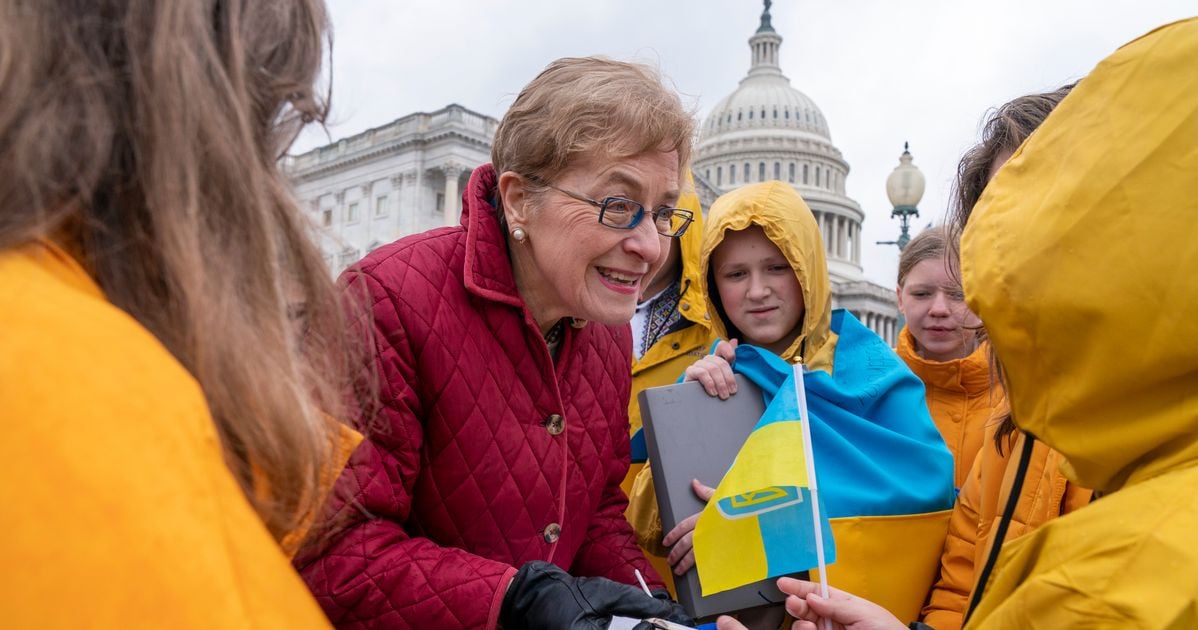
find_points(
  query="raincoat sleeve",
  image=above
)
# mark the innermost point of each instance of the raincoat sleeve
(946, 605)
(644, 515)
(374, 573)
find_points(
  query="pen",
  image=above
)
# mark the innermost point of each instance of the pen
(640, 578)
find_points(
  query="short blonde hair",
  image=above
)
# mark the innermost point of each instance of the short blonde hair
(590, 105)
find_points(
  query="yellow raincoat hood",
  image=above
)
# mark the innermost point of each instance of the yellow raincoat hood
(788, 222)
(1082, 260)
(692, 305)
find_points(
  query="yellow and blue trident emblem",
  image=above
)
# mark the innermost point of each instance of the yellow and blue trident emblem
(758, 502)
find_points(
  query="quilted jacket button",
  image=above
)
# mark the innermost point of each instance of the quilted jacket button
(552, 532)
(686, 307)
(555, 424)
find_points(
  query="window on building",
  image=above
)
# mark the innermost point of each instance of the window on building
(732, 174)
(817, 172)
(440, 205)
(761, 171)
(380, 206)
(707, 174)
(351, 214)
(775, 113)
(326, 218)
(750, 114)
(719, 176)
(746, 172)
(739, 116)
(786, 113)
(348, 256)
(792, 172)
(778, 171)
(763, 113)
(804, 173)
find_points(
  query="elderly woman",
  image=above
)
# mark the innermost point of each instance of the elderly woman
(491, 481)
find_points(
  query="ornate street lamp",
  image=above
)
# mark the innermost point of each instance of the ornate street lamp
(904, 187)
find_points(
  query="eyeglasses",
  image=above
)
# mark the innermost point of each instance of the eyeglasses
(625, 214)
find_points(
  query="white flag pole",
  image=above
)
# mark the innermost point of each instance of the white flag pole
(812, 486)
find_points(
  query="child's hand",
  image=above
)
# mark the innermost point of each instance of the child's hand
(714, 371)
(681, 539)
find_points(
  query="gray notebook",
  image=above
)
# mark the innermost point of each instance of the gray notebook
(691, 435)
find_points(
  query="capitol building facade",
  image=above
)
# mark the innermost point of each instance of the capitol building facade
(407, 176)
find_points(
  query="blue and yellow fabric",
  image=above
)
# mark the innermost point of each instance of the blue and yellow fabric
(761, 521)
(884, 472)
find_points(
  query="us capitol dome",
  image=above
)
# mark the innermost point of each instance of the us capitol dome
(768, 130)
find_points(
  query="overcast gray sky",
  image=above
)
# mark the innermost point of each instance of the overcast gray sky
(882, 71)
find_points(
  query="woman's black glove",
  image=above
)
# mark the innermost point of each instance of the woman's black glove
(543, 597)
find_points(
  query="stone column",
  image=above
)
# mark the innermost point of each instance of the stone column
(843, 238)
(339, 215)
(367, 208)
(396, 206)
(835, 236)
(857, 244)
(852, 240)
(418, 210)
(823, 231)
(453, 211)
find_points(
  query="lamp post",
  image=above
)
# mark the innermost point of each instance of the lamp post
(904, 187)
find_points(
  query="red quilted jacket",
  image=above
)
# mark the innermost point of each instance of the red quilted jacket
(489, 454)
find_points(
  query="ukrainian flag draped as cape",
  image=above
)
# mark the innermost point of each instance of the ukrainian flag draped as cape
(885, 477)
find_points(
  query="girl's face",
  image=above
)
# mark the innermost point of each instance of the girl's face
(758, 289)
(937, 317)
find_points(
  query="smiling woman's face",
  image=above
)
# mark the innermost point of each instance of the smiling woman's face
(758, 289)
(573, 266)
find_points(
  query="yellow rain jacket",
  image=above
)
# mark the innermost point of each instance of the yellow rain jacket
(1081, 260)
(668, 358)
(119, 509)
(899, 582)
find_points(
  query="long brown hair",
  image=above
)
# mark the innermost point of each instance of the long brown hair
(145, 135)
(1004, 129)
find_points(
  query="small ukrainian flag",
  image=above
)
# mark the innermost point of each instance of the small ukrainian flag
(885, 478)
(762, 521)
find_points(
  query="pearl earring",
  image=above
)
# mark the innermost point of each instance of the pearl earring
(519, 234)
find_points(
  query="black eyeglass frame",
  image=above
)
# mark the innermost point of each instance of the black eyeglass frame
(687, 216)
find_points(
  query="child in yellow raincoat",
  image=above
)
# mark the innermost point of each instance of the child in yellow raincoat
(766, 280)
